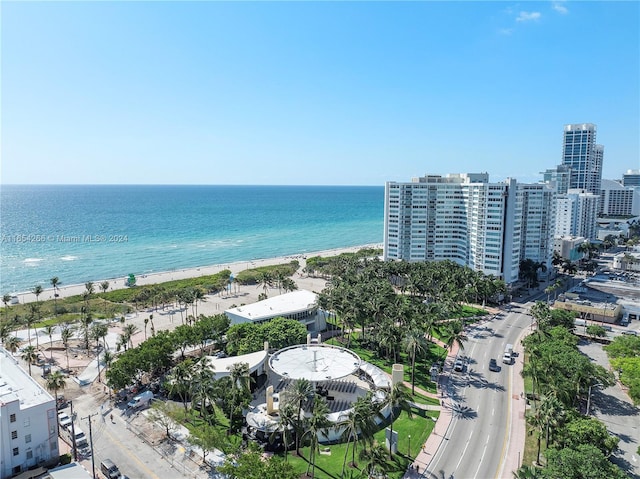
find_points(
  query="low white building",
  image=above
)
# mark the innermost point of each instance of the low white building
(300, 305)
(28, 420)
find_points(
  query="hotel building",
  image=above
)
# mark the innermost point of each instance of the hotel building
(576, 214)
(489, 227)
(28, 420)
(618, 200)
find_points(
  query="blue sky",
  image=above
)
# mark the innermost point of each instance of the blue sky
(336, 93)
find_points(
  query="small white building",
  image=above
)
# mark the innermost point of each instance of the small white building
(300, 305)
(28, 420)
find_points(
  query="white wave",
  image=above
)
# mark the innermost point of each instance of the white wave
(33, 260)
(69, 258)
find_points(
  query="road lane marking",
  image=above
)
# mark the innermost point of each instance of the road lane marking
(483, 455)
(135, 458)
(464, 450)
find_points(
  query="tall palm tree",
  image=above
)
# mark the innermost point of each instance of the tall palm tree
(104, 286)
(180, 381)
(375, 456)
(37, 291)
(6, 298)
(452, 333)
(12, 344)
(298, 393)
(55, 382)
(552, 413)
(30, 355)
(287, 414)
(30, 319)
(5, 331)
(415, 344)
(396, 398)
(107, 358)
(358, 422)
(317, 425)
(239, 373)
(54, 282)
(66, 333)
(129, 331)
(49, 329)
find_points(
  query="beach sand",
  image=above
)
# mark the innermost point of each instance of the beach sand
(235, 268)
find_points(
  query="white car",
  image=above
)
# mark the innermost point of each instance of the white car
(64, 421)
(459, 365)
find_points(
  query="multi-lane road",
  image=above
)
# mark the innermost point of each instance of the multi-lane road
(476, 442)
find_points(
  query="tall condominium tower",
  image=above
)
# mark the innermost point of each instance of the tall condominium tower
(581, 153)
(489, 227)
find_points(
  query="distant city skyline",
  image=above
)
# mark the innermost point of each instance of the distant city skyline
(312, 93)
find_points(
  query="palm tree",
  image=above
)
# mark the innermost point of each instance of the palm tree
(528, 472)
(289, 285)
(359, 421)
(107, 358)
(104, 286)
(129, 331)
(37, 291)
(298, 393)
(66, 333)
(55, 382)
(146, 321)
(12, 344)
(239, 373)
(415, 344)
(5, 300)
(30, 355)
(5, 331)
(30, 319)
(396, 398)
(318, 424)
(54, 284)
(535, 419)
(375, 456)
(552, 414)
(287, 422)
(266, 281)
(180, 381)
(452, 333)
(49, 329)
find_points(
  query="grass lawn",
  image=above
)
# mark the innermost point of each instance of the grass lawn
(329, 466)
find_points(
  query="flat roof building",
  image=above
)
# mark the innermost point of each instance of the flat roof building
(299, 305)
(28, 420)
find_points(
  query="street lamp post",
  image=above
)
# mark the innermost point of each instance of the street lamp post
(409, 448)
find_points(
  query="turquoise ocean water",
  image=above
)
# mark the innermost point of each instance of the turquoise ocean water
(89, 233)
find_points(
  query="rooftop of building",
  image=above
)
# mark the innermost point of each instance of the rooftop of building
(17, 385)
(288, 303)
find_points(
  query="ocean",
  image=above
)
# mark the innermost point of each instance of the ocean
(89, 233)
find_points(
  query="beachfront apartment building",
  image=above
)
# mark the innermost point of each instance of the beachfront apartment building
(631, 178)
(489, 227)
(28, 420)
(576, 214)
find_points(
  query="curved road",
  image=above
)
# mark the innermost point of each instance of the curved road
(475, 443)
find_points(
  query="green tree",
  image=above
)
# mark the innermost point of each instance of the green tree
(49, 329)
(317, 425)
(415, 344)
(55, 282)
(251, 465)
(376, 462)
(6, 298)
(55, 382)
(162, 413)
(582, 462)
(30, 355)
(596, 331)
(396, 399)
(66, 333)
(12, 344)
(239, 373)
(358, 422)
(299, 392)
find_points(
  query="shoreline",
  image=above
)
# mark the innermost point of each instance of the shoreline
(235, 267)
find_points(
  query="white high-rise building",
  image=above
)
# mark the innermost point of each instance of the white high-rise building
(467, 219)
(580, 152)
(576, 214)
(618, 200)
(28, 420)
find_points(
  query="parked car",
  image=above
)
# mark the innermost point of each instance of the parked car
(459, 365)
(64, 421)
(141, 400)
(493, 365)
(109, 469)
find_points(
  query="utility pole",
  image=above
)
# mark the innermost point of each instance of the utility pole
(93, 462)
